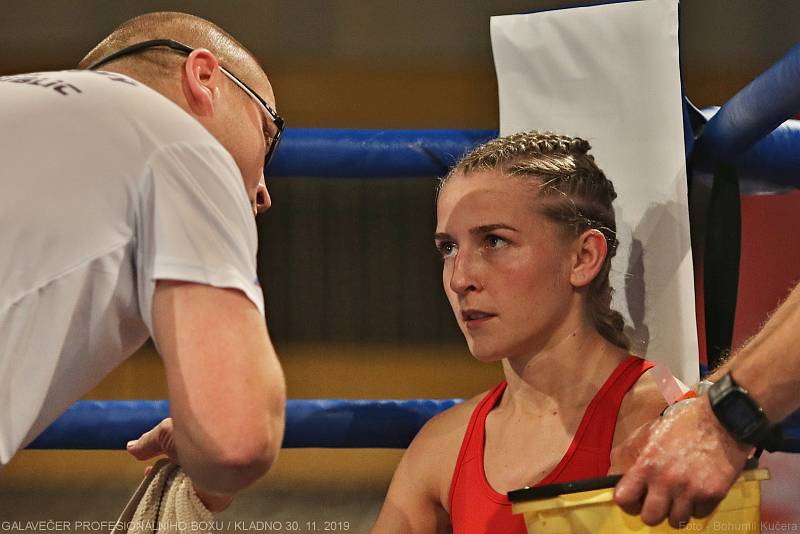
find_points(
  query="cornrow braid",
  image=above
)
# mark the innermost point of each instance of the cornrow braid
(577, 196)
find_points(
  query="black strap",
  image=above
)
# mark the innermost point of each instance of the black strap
(721, 262)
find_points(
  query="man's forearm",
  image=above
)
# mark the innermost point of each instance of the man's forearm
(688, 454)
(768, 365)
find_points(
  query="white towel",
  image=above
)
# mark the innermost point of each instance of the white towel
(165, 503)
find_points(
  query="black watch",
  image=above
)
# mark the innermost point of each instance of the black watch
(738, 412)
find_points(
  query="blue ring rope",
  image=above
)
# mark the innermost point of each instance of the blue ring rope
(344, 153)
(753, 113)
(326, 423)
(770, 165)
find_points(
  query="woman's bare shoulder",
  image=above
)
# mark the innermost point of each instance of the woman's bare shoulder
(435, 449)
(642, 405)
(448, 425)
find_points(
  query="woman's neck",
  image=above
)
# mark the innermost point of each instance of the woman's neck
(561, 376)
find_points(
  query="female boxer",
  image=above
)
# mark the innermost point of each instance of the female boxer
(526, 231)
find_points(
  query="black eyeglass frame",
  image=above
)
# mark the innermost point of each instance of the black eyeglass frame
(185, 49)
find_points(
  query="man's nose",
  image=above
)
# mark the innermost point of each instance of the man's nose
(263, 200)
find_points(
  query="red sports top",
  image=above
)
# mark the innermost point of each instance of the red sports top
(475, 507)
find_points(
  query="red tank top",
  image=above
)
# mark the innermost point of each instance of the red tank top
(475, 507)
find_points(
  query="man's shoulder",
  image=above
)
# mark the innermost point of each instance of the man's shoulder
(110, 112)
(73, 86)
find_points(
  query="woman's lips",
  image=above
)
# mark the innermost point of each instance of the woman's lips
(476, 318)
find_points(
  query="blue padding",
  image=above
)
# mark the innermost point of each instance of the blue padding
(358, 423)
(773, 164)
(753, 112)
(330, 153)
(770, 166)
(309, 423)
(101, 424)
(791, 433)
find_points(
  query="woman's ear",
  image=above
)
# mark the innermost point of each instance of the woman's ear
(590, 251)
(201, 80)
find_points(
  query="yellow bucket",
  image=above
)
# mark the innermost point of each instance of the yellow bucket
(594, 511)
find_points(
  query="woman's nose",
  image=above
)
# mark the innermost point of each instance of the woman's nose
(463, 279)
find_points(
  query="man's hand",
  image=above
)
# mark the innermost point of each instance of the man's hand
(685, 464)
(155, 442)
(159, 441)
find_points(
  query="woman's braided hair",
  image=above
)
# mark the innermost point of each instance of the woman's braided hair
(577, 196)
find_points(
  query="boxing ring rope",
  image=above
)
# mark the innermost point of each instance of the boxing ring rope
(327, 423)
(751, 132)
(750, 119)
(769, 166)
(343, 153)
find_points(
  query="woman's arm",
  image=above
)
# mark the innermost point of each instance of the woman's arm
(412, 505)
(417, 497)
(641, 406)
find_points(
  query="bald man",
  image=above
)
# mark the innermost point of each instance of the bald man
(127, 210)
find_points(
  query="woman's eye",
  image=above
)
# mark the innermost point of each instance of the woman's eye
(494, 241)
(446, 249)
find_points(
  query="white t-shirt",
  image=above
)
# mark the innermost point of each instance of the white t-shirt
(106, 187)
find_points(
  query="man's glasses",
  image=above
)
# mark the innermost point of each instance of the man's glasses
(180, 47)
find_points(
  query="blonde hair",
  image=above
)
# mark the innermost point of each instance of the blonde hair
(577, 196)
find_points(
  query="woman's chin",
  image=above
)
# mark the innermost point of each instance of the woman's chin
(486, 352)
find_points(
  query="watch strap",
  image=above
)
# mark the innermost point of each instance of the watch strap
(738, 413)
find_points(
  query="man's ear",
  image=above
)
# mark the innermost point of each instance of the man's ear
(201, 81)
(590, 251)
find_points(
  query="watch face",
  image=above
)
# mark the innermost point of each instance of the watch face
(737, 412)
